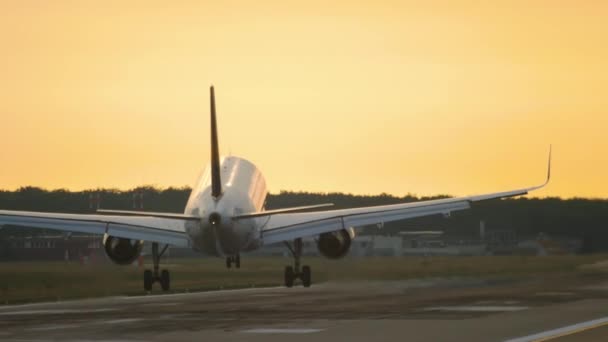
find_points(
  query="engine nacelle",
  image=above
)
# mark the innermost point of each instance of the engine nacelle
(335, 245)
(122, 251)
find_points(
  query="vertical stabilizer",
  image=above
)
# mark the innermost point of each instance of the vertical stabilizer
(216, 182)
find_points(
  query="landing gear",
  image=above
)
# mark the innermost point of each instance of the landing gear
(148, 280)
(305, 276)
(289, 276)
(293, 273)
(150, 277)
(233, 259)
(165, 280)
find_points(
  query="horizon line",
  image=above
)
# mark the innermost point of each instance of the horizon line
(187, 187)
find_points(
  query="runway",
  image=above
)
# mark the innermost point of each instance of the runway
(413, 310)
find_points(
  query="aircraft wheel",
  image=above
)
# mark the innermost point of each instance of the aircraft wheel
(289, 276)
(148, 280)
(165, 280)
(306, 276)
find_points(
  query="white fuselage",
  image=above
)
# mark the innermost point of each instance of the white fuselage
(243, 191)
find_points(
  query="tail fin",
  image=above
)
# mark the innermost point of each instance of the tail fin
(216, 182)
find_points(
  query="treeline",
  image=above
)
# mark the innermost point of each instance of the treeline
(577, 218)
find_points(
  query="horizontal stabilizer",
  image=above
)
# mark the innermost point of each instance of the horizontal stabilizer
(148, 214)
(281, 211)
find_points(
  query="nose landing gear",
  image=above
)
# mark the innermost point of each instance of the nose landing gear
(294, 272)
(163, 278)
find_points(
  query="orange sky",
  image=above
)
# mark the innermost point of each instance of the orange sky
(451, 97)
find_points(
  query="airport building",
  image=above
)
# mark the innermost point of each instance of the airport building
(85, 249)
(68, 247)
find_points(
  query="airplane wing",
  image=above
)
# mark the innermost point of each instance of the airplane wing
(285, 227)
(170, 231)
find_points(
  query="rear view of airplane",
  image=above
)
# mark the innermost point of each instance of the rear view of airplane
(225, 216)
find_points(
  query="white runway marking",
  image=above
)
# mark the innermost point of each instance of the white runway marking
(72, 326)
(174, 316)
(476, 308)
(202, 293)
(496, 302)
(281, 331)
(120, 321)
(56, 327)
(150, 297)
(563, 331)
(43, 312)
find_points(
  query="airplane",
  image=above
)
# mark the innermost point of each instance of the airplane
(225, 216)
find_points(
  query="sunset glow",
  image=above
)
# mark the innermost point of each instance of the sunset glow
(439, 97)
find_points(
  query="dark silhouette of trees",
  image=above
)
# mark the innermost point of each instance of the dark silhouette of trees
(577, 218)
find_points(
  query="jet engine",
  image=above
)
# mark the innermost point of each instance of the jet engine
(335, 245)
(122, 251)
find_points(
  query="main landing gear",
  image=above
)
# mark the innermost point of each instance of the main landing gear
(163, 278)
(293, 273)
(233, 259)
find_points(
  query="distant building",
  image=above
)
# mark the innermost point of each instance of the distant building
(52, 247)
(84, 248)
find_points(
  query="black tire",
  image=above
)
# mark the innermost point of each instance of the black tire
(306, 276)
(237, 261)
(228, 262)
(148, 280)
(165, 280)
(289, 276)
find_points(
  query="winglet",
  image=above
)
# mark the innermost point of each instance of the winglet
(548, 172)
(216, 182)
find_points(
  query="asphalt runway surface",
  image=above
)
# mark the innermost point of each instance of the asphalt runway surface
(412, 310)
